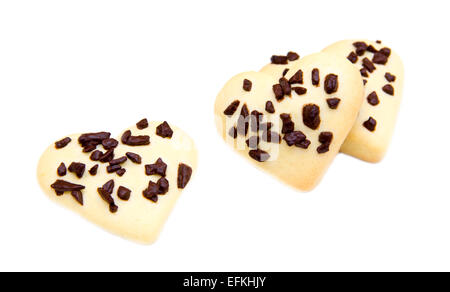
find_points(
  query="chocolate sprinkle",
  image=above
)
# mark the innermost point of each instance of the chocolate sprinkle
(331, 83)
(288, 124)
(389, 77)
(62, 171)
(78, 196)
(315, 77)
(123, 193)
(247, 85)
(231, 109)
(300, 90)
(373, 99)
(333, 103)
(142, 124)
(311, 116)
(136, 158)
(279, 60)
(259, 155)
(368, 65)
(269, 107)
(297, 78)
(159, 167)
(77, 168)
(62, 143)
(388, 89)
(285, 86)
(292, 56)
(62, 186)
(184, 175)
(353, 57)
(278, 91)
(370, 124)
(93, 170)
(110, 143)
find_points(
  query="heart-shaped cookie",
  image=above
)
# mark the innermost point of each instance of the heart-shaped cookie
(127, 186)
(383, 73)
(292, 126)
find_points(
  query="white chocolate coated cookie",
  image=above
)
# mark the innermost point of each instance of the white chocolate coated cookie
(370, 137)
(304, 117)
(131, 216)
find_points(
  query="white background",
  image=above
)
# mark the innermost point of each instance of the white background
(79, 66)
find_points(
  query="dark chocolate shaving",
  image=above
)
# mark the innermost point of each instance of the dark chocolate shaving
(285, 86)
(142, 124)
(285, 72)
(353, 57)
(333, 103)
(78, 196)
(315, 77)
(93, 170)
(121, 172)
(252, 142)
(386, 52)
(159, 167)
(184, 175)
(373, 99)
(105, 193)
(279, 60)
(107, 156)
(61, 171)
(292, 56)
(325, 139)
(151, 192)
(389, 89)
(113, 168)
(163, 186)
(247, 85)
(311, 116)
(370, 124)
(110, 143)
(367, 64)
(269, 107)
(231, 109)
(136, 158)
(125, 136)
(297, 78)
(138, 140)
(278, 91)
(259, 155)
(294, 138)
(255, 120)
(242, 124)
(77, 168)
(62, 143)
(62, 186)
(271, 137)
(364, 72)
(300, 90)
(123, 193)
(93, 138)
(389, 77)
(379, 58)
(331, 83)
(361, 48)
(118, 160)
(164, 130)
(96, 155)
(233, 132)
(288, 124)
